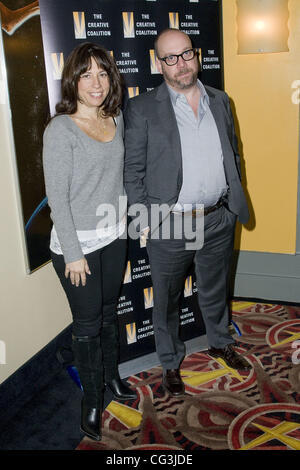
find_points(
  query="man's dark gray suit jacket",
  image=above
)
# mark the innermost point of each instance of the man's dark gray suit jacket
(153, 159)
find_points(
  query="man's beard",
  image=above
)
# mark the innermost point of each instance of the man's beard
(184, 83)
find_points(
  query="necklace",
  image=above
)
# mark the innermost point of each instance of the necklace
(94, 127)
(102, 123)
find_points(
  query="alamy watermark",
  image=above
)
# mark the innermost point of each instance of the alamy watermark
(2, 352)
(296, 354)
(296, 94)
(162, 223)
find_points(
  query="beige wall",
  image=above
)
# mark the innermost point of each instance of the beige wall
(33, 309)
(260, 88)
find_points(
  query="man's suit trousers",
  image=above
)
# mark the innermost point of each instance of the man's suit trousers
(170, 262)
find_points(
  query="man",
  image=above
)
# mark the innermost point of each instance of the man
(181, 150)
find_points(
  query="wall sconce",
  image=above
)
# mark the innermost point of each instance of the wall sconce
(262, 26)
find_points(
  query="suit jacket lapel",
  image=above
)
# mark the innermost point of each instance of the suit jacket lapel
(168, 122)
(166, 111)
(217, 109)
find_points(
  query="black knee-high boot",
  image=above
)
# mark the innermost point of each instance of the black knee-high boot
(110, 351)
(88, 360)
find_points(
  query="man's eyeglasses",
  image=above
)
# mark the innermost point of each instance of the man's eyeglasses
(173, 59)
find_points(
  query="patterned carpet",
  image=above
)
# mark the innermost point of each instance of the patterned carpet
(223, 408)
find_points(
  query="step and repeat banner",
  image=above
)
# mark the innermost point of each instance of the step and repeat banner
(127, 28)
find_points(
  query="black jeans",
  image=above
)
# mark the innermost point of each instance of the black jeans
(96, 302)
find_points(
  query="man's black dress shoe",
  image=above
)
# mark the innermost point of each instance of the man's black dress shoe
(231, 357)
(173, 382)
(120, 390)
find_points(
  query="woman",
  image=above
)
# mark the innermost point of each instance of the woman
(83, 166)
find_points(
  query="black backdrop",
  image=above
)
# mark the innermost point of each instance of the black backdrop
(35, 54)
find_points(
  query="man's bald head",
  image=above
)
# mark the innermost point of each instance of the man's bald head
(182, 74)
(168, 34)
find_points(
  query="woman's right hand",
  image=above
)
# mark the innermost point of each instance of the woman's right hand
(77, 271)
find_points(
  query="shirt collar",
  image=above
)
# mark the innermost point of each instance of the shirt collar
(204, 98)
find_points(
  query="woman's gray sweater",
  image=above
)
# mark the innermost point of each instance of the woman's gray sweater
(80, 174)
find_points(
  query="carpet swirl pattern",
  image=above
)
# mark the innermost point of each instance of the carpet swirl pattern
(223, 409)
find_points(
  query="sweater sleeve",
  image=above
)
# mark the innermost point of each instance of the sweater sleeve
(58, 166)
